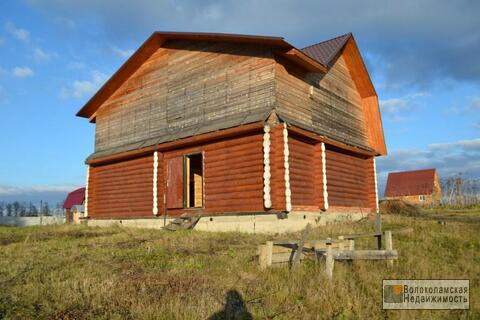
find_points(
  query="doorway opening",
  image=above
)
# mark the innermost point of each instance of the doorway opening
(193, 182)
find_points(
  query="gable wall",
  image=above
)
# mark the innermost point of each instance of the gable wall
(185, 86)
(333, 108)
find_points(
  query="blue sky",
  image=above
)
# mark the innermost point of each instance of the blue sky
(54, 54)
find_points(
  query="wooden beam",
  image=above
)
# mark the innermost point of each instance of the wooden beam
(304, 61)
(299, 250)
(362, 254)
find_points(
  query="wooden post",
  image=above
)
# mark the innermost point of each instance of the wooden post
(378, 223)
(389, 245)
(378, 230)
(341, 244)
(265, 255)
(351, 244)
(329, 262)
(299, 250)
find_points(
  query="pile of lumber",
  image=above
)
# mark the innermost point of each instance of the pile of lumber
(291, 252)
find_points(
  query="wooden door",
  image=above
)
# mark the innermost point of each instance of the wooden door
(175, 183)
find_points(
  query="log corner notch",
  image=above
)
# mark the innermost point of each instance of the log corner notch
(155, 183)
(267, 200)
(286, 166)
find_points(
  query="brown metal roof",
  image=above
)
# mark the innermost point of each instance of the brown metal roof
(409, 183)
(326, 51)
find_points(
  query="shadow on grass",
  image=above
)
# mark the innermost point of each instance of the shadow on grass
(234, 309)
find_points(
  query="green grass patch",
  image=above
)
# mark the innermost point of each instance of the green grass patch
(77, 272)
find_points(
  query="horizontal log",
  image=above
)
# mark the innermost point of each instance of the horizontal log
(362, 254)
(235, 195)
(374, 234)
(139, 162)
(233, 174)
(128, 174)
(233, 162)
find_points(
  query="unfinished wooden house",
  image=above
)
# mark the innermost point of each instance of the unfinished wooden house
(248, 131)
(420, 187)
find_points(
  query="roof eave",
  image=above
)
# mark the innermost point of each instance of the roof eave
(304, 60)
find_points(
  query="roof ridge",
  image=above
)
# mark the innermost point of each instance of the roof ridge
(349, 34)
(417, 170)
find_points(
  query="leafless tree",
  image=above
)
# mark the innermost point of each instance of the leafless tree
(461, 191)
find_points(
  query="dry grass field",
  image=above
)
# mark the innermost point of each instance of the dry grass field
(76, 272)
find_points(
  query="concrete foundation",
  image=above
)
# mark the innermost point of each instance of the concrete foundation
(263, 223)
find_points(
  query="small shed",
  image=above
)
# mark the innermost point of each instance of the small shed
(420, 187)
(73, 206)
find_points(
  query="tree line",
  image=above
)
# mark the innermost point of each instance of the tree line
(28, 209)
(460, 191)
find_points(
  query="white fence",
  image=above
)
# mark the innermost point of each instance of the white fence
(32, 221)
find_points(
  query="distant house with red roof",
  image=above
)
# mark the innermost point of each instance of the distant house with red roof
(73, 205)
(417, 187)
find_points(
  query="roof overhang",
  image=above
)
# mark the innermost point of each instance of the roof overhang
(157, 39)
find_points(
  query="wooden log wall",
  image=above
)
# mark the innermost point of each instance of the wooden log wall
(327, 104)
(349, 179)
(233, 174)
(123, 189)
(302, 177)
(185, 86)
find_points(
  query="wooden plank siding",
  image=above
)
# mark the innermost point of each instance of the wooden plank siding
(349, 179)
(328, 104)
(122, 189)
(184, 87)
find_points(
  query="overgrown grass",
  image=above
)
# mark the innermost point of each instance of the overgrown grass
(75, 272)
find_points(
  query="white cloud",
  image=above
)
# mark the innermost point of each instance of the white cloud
(474, 105)
(122, 53)
(22, 72)
(14, 190)
(41, 56)
(396, 105)
(65, 22)
(81, 88)
(36, 193)
(18, 33)
(415, 53)
(462, 144)
(398, 109)
(3, 95)
(76, 65)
